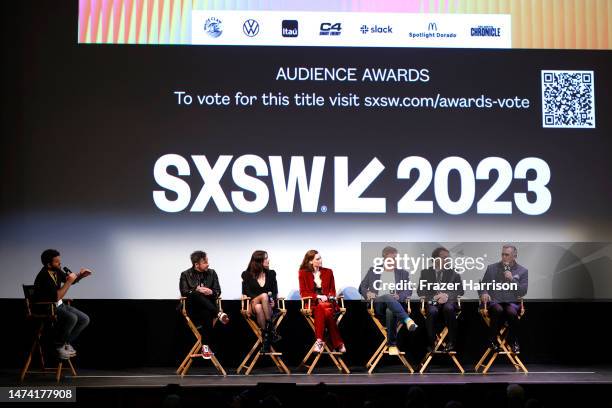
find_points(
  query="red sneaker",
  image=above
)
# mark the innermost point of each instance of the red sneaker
(206, 352)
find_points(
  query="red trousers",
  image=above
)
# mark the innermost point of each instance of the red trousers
(324, 317)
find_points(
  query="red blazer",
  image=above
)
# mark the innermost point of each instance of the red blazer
(307, 285)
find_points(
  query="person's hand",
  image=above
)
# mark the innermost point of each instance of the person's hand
(395, 296)
(508, 275)
(485, 298)
(443, 298)
(71, 277)
(436, 297)
(271, 302)
(84, 272)
(322, 298)
(370, 295)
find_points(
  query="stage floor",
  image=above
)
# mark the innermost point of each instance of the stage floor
(390, 375)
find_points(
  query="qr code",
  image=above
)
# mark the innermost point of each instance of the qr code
(568, 99)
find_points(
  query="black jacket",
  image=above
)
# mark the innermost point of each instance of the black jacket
(448, 276)
(190, 279)
(251, 287)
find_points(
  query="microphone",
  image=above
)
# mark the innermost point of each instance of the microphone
(68, 271)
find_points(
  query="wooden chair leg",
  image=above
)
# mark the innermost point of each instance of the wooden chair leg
(58, 372)
(520, 363)
(456, 361)
(218, 365)
(375, 355)
(490, 363)
(404, 361)
(305, 359)
(330, 353)
(378, 358)
(24, 371)
(74, 374)
(245, 361)
(344, 366)
(188, 357)
(314, 363)
(427, 360)
(482, 359)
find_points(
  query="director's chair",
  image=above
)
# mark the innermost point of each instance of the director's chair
(440, 343)
(43, 319)
(196, 350)
(335, 356)
(383, 348)
(502, 341)
(253, 355)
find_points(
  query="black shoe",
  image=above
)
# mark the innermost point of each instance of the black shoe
(275, 337)
(267, 337)
(265, 348)
(515, 347)
(494, 346)
(430, 348)
(450, 347)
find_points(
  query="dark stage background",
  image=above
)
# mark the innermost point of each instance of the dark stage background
(139, 333)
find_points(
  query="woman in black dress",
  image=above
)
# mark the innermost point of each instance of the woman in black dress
(259, 283)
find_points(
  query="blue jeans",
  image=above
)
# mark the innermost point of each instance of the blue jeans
(393, 311)
(70, 323)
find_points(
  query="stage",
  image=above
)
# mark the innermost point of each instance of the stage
(389, 375)
(149, 386)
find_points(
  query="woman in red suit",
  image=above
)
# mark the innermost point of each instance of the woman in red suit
(318, 284)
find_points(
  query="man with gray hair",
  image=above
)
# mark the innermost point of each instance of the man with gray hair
(504, 303)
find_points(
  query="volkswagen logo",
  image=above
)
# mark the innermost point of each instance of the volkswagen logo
(250, 28)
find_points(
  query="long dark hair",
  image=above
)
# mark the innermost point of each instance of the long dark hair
(307, 258)
(255, 266)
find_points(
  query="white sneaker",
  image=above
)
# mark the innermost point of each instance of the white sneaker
(223, 317)
(62, 353)
(318, 348)
(70, 350)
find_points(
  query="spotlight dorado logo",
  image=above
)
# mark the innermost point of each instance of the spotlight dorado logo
(248, 172)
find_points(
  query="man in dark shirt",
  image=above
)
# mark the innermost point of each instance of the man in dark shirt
(440, 301)
(503, 305)
(51, 285)
(200, 285)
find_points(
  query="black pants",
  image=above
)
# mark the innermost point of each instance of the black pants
(501, 313)
(448, 311)
(202, 310)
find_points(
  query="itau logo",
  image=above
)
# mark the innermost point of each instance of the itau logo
(213, 27)
(290, 28)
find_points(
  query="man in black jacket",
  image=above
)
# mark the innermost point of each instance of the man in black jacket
(200, 285)
(51, 285)
(440, 286)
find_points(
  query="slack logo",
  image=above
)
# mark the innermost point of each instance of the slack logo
(290, 28)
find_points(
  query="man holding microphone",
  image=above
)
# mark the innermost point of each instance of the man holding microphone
(51, 285)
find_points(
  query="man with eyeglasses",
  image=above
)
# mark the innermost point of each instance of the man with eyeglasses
(503, 305)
